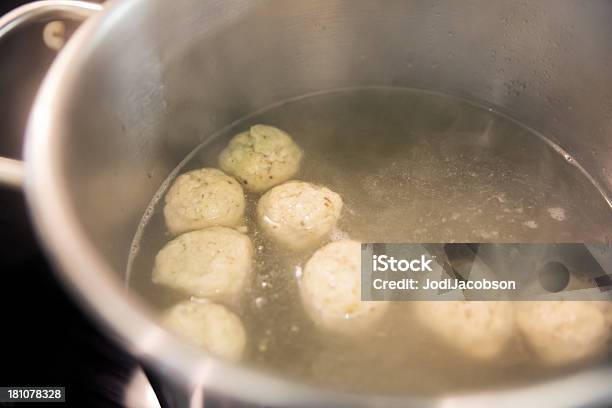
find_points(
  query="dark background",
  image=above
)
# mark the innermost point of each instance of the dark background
(45, 339)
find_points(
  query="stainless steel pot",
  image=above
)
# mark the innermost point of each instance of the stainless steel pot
(144, 81)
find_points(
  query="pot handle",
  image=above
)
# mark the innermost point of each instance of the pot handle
(12, 172)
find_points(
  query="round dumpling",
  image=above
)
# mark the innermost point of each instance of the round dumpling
(261, 157)
(209, 326)
(298, 215)
(211, 263)
(203, 198)
(605, 306)
(563, 332)
(330, 289)
(476, 329)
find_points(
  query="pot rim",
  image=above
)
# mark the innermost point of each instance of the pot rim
(90, 279)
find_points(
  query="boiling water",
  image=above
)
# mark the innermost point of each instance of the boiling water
(411, 167)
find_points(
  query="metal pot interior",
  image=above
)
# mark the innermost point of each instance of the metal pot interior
(152, 79)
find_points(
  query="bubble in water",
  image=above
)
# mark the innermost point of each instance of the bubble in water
(260, 302)
(556, 213)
